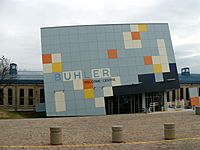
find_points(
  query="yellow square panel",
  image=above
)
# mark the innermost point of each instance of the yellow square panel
(88, 93)
(157, 68)
(142, 27)
(56, 67)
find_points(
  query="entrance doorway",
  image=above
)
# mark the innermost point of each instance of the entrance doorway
(154, 99)
(125, 104)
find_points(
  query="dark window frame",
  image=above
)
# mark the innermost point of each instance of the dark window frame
(42, 96)
(187, 94)
(30, 96)
(21, 96)
(1, 97)
(181, 93)
(199, 91)
(173, 95)
(168, 99)
(10, 96)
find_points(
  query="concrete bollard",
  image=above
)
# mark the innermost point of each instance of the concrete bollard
(197, 110)
(55, 136)
(117, 134)
(169, 131)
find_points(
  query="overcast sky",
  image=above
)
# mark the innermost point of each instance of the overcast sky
(21, 20)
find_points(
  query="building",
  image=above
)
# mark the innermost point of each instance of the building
(31, 84)
(22, 90)
(107, 69)
(187, 81)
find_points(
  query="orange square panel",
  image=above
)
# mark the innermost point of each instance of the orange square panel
(195, 101)
(135, 35)
(46, 59)
(148, 60)
(112, 54)
(88, 84)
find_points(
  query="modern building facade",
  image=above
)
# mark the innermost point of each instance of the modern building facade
(107, 69)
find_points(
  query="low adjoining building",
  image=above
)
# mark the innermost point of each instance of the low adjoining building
(187, 81)
(22, 90)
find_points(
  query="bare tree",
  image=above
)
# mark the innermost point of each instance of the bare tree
(4, 68)
(5, 77)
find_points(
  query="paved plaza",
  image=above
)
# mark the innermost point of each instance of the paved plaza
(141, 131)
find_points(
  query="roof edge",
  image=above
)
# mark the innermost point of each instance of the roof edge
(99, 25)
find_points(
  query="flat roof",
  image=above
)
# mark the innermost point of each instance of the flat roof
(189, 79)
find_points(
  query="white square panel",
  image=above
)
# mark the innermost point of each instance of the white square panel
(162, 51)
(59, 96)
(60, 106)
(164, 60)
(161, 43)
(96, 73)
(165, 68)
(128, 44)
(116, 81)
(78, 84)
(99, 102)
(47, 68)
(60, 101)
(193, 92)
(105, 72)
(156, 59)
(132, 44)
(127, 36)
(56, 57)
(107, 91)
(68, 76)
(134, 28)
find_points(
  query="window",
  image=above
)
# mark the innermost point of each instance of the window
(1, 96)
(21, 96)
(42, 96)
(10, 96)
(167, 96)
(187, 94)
(181, 94)
(30, 96)
(13, 67)
(173, 95)
(199, 91)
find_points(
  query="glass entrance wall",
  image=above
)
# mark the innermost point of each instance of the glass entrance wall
(154, 98)
(123, 104)
(128, 104)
